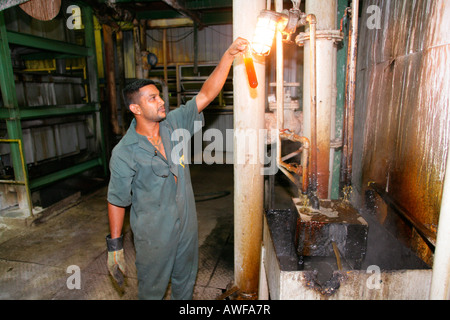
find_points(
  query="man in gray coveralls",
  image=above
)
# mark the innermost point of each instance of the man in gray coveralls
(157, 185)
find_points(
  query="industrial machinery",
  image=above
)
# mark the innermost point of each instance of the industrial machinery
(315, 229)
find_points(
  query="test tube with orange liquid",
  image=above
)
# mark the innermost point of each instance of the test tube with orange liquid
(250, 68)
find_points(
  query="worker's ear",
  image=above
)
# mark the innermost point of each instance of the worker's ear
(135, 108)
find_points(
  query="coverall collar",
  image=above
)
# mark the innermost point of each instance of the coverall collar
(132, 137)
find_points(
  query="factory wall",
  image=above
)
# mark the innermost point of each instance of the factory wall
(212, 43)
(402, 125)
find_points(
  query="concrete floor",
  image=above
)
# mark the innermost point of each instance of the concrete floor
(41, 261)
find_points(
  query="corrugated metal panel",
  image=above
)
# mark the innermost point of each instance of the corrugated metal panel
(17, 20)
(222, 123)
(181, 44)
(49, 142)
(212, 43)
(218, 39)
(402, 121)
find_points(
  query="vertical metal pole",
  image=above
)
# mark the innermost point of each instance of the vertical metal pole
(121, 79)
(351, 85)
(92, 75)
(326, 17)
(143, 37)
(195, 48)
(13, 124)
(340, 100)
(312, 66)
(91, 61)
(110, 66)
(280, 82)
(166, 78)
(25, 180)
(137, 51)
(249, 109)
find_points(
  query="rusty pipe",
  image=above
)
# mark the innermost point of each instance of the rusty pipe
(282, 133)
(292, 154)
(137, 52)
(280, 97)
(309, 148)
(428, 236)
(350, 92)
(344, 154)
(320, 134)
(111, 78)
(311, 19)
(280, 86)
(121, 76)
(303, 169)
(165, 62)
(352, 84)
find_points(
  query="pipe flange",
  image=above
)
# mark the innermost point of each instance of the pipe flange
(291, 105)
(333, 35)
(286, 84)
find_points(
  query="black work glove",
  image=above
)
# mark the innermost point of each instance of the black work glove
(116, 259)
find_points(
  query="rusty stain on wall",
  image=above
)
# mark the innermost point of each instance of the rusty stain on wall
(403, 107)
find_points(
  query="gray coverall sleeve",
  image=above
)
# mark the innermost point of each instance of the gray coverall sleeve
(186, 115)
(119, 189)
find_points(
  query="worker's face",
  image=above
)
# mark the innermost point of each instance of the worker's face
(150, 106)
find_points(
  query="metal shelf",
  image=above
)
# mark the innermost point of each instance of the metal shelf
(13, 114)
(190, 82)
(29, 113)
(36, 42)
(71, 171)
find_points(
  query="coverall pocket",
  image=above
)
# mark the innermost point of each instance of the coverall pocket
(159, 167)
(149, 184)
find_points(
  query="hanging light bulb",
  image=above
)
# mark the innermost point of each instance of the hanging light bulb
(266, 27)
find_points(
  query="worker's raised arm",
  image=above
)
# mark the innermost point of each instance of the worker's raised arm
(214, 84)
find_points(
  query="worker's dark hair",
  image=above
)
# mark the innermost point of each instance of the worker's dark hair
(130, 92)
